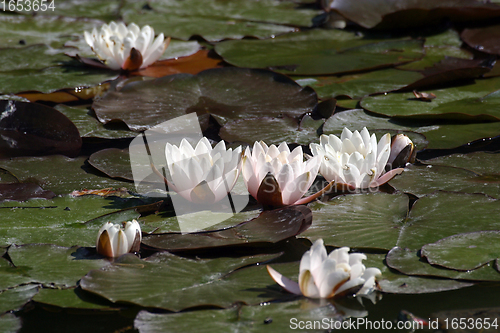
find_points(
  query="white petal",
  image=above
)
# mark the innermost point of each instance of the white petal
(286, 283)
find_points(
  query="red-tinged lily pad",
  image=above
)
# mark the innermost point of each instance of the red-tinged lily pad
(483, 39)
(410, 13)
(35, 129)
(411, 263)
(272, 130)
(269, 228)
(23, 192)
(228, 93)
(464, 252)
(174, 283)
(320, 52)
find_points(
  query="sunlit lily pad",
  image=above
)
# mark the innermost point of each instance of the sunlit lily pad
(454, 135)
(319, 52)
(229, 93)
(483, 163)
(359, 220)
(425, 179)
(272, 130)
(268, 228)
(21, 58)
(443, 214)
(53, 265)
(72, 173)
(104, 10)
(465, 251)
(11, 276)
(14, 299)
(471, 102)
(113, 162)
(174, 283)
(409, 262)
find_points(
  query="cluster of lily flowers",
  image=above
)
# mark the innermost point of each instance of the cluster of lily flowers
(273, 175)
(276, 176)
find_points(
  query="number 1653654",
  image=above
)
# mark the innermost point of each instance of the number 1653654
(27, 5)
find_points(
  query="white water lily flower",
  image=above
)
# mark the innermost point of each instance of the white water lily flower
(113, 240)
(326, 276)
(402, 152)
(117, 45)
(355, 160)
(275, 176)
(202, 174)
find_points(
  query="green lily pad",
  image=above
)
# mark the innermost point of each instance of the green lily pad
(272, 130)
(411, 263)
(211, 29)
(21, 58)
(444, 214)
(473, 102)
(359, 220)
(11, 276)
(319, 52)
(464, 252)
(35, 129)
(62, 220)
(53, 31)
(229, 93)
(169, 282)
(454, 135)
(15, 299)
(53, 265)
(425, 179)
(361, 84)
(23, 192)
(53, 78)
(72, 173)
(10, 323)
(113, 162)
(90, 127)
(103, 10)
(483, 163)
(268, 228)
(403, 14)
(71, 298)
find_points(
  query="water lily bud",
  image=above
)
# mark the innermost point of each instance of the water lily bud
(113, 240)
(327, 276)
(355, 160)
(129, 48)
(274, 176)
(402, 152)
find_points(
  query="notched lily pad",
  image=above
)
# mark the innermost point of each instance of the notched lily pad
(228, 93)
(270, 227)
(35, 129)
(465, 251)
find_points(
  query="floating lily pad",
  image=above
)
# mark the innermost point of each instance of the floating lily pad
(10, 323)
(272, 130)
(15, 299)
(35, 129)
(53, 265)
(270, 11)
(11, 276)
(21, 58)
(53, 31)
(425, 179)
(453, 135)
(483, 39)
(443, 214)
(104, 10)
(229, 93)
(90, 127)
(269, 228)
(474, 102)
(113, 162)
(23, 192)
(483, 163)
(319, 52)
(174, 283)
(398, 14)
(359, 85)
(72, 298)
(409, 262)
(62, 220)
(211, 29)
(72, 173)
(359, 220)
(465, 251)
